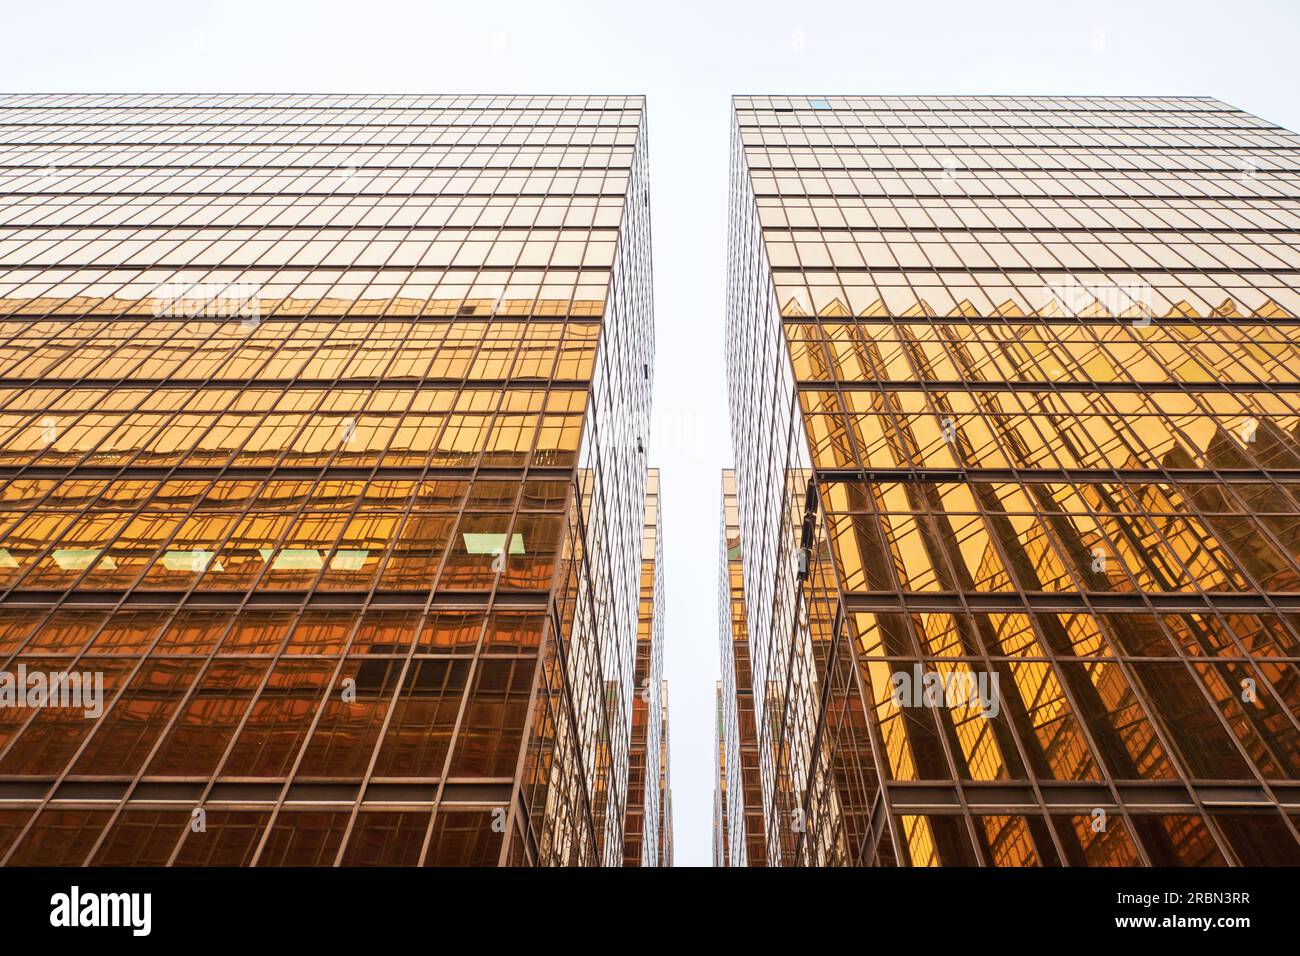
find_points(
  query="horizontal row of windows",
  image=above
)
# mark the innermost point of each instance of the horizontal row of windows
(326, 496)
(867, 250)
(390, 402)
(986, 118)
(1139, 545)
(292, 548)
(257, 136)
(302, 439)
(446, 121)
(293, 837)
(1149, 498)
(364, 164)
(528, 141)
(111, 635)
(216, 114)
(1045, 352)
(1109, 430)
(1025, 213)
(980, 103)
(993, 157)
(160, 349)
(1263, 184)
(1143, 297)
(321, 184)
(255, 212)
(22, 496)
(1255, 838)
(1041, 137)
(344, 249)
(247, 299)
(367, 101)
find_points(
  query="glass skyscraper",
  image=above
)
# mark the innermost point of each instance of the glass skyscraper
(664, 830)
(645, 800)
(740, 794)
(720, 833)
(322, 453)
(1015, 403)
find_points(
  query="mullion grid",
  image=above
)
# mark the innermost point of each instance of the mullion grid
(234, 618)
(1200, 398)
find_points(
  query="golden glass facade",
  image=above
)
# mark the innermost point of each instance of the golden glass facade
(1016, 416)
(321, 439)
(742, 819)
(644, 804)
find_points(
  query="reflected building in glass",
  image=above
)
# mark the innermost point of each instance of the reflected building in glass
(1015, 402)
(322, 430)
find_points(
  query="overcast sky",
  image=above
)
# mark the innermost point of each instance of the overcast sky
(688, 58)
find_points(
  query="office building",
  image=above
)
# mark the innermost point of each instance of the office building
(738, 733)
(324, 426)
(1016, 422)
(644, 800)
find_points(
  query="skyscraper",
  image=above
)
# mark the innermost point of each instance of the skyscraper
(739, 757)
(665, 831)
(1016, 422)
(721, 829)
(641, 839)
(324, 425)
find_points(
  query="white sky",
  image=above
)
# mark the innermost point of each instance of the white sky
(688, 58)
